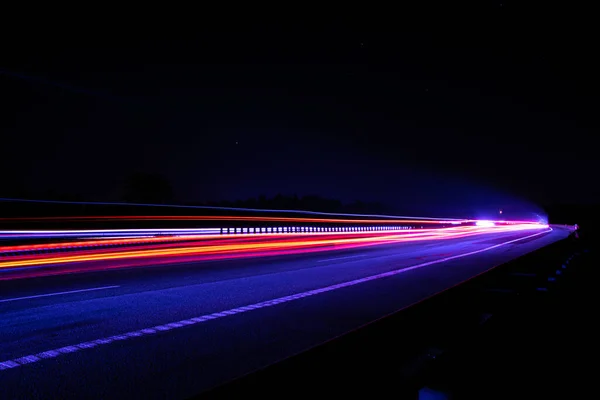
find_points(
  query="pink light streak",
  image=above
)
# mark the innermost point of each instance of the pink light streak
(89, 256)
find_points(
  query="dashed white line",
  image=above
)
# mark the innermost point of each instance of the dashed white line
(33, 358)
(57, 293)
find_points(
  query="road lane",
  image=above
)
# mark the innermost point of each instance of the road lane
(204, 357)
(38, 296)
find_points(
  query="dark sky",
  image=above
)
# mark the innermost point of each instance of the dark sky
(496, 106)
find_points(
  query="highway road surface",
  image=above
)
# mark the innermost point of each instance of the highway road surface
(174, 331)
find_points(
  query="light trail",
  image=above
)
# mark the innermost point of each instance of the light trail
(79, 233)
(233, 218)
(219, 247)
(179, 237)
(182, 233)
(361, 225)
(261, 219)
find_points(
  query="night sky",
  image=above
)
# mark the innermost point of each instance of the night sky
(421, 116)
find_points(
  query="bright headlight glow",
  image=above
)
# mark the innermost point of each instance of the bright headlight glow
(486, 224)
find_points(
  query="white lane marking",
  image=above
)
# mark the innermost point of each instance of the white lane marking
(57, 294)
(33, 358)
(343, 258)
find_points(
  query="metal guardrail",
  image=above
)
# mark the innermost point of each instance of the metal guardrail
(310, 229)
(217, 231)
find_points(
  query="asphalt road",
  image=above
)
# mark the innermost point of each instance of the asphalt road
(173, 331)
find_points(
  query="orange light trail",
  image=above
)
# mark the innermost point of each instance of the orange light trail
(253, 245)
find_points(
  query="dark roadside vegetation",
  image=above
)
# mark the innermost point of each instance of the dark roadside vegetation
(278, 202)
(144, 199)
(521, 330)
(146, 188)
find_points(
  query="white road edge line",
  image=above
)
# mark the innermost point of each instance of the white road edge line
(33, 358)
(57, 294)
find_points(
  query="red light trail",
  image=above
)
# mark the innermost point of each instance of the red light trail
(160, 250)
